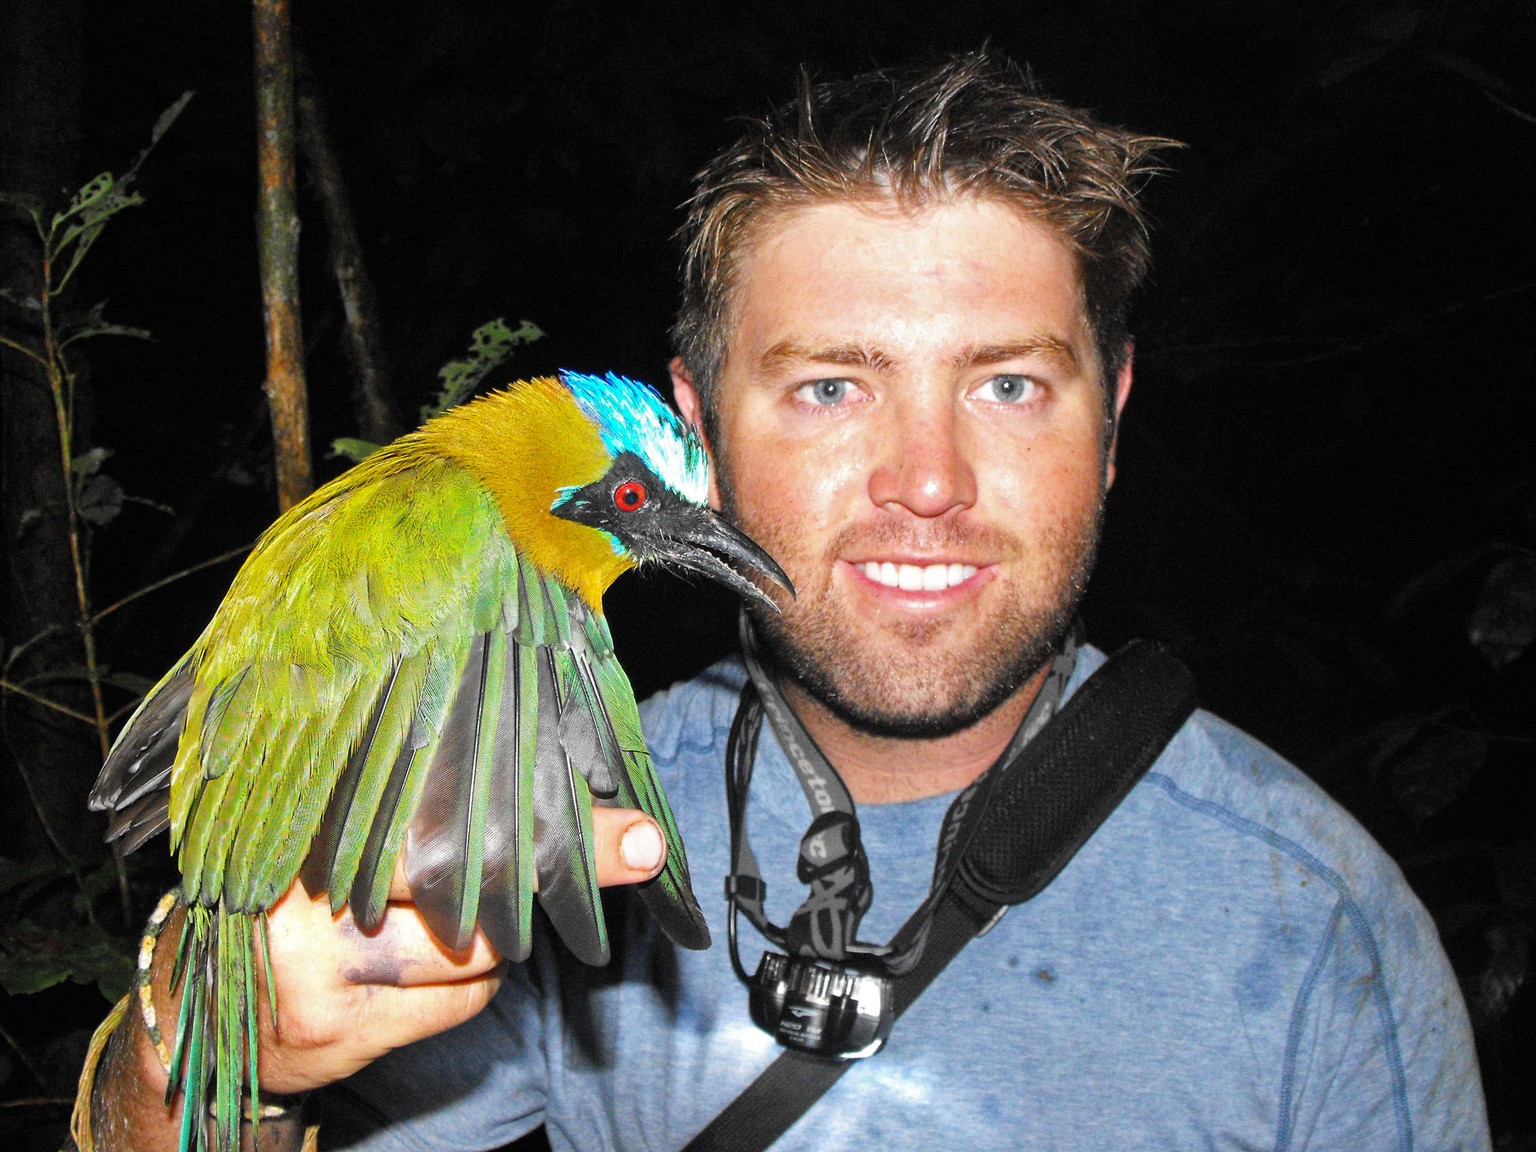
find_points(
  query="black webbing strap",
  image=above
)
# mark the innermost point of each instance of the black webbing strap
(1054, 797)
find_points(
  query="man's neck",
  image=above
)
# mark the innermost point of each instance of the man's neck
(890, 769)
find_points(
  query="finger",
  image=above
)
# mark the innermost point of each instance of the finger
(398, 1016)
(630, 849)
(402, 952)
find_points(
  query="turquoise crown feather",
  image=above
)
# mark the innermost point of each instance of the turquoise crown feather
(632, 417)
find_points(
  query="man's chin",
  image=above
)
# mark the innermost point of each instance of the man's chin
(913, 693)
(920, 723)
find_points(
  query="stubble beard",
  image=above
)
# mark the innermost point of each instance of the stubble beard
(918, 679)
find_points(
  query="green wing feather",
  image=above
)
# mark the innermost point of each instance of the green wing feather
(670, 895)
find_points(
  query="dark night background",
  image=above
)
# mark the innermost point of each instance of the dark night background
(1326, 498)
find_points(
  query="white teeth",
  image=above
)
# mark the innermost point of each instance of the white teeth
(911, 578)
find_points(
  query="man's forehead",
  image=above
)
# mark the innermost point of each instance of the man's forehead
(770, 222)
(818, 281)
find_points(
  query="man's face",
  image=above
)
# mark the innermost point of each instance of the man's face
(911, 421)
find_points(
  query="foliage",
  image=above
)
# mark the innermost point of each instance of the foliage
(92, 498)
(53, 926)
(62, 919)
(1477, 875)
(490, 346)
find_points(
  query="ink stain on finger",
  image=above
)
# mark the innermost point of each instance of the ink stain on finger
(386, 969)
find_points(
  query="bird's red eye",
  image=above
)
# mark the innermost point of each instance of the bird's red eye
(630, 495)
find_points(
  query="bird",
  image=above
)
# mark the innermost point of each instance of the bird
(413, 665)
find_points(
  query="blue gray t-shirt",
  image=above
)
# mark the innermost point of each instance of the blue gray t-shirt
(1230, 962)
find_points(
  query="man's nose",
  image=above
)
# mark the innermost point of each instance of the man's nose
(925, 467)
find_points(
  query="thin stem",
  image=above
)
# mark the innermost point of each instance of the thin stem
(61, 385)
(12, 686)
(40, 811)
(123, 711)
(171, 579)
(7, 342)
(21, 1054)
(61, 408)
(124, 896)
(365, 345)
(38, 1102)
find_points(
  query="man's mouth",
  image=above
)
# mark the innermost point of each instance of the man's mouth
(917, 577)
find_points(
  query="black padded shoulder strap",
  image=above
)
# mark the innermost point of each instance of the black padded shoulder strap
(1044, 807)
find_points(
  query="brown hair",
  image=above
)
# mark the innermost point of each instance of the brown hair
(970, 126)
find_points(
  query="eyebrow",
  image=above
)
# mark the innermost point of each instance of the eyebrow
(1044, 347)
(851, 355)
(787, 352)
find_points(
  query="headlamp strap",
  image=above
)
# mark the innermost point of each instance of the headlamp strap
(832, 859)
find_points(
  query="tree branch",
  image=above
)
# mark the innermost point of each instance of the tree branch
(278, 237)
(375, 413)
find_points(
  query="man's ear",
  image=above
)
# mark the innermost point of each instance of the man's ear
(686, 396)
(1122, 394)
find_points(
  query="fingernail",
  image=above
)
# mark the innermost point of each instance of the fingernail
(641, 846)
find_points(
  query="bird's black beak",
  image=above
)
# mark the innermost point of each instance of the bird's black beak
(702, 540)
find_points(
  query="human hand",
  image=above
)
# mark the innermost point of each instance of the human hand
(344, 997)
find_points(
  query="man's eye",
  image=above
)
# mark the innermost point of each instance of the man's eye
(1008, 389)
(824, 392)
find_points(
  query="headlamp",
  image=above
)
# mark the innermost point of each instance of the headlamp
(820, 1007)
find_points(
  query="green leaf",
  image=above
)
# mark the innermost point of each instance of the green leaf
(24, 974)
(29, 517)
(38, 957)
(1491, 990)
(350, 448)
(26, 303)
(93, 192)
(100, 500)
(91, 219)
(93, 322)
(490, 346)
(167, 118)
(129, 682)
(1503, 621)
(89, 463)
(96, 883)
(103, 198)
(93, 216)
(1418, 593)
(87, 237)
(1436, 769)
(107, 330)
(1390, 738)
(23, 874)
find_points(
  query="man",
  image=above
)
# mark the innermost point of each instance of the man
(903, 333)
